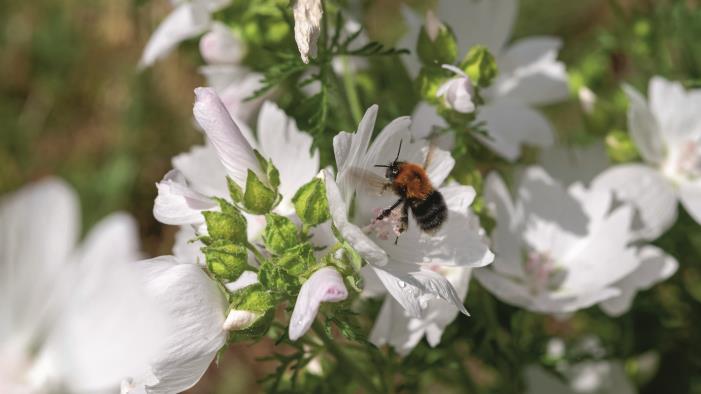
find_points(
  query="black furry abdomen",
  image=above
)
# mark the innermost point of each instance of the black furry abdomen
(429, 213)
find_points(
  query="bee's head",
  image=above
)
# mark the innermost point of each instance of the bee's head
(394, 166)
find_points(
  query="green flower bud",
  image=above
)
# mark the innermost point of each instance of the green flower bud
(258, 198)
(251, 313)
(299, 260)
(277, 280)
(620, 147)
(280, 233)
(437, 44)
(480, 66)
(311, 204)
(226, 260)
(229, 224)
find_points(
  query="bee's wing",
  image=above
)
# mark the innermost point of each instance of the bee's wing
(429, 155)
(367, 181)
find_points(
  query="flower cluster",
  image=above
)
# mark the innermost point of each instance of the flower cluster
(291, 229)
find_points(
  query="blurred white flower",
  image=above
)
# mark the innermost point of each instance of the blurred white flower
(529, 73)
(457, 92)
(189, 19)
(324, 285)
(220, 46)
(307, 14)
(560, 250)
(66, 321)
(201, 173)
(667, 132)
(401, 267)
(587, 377)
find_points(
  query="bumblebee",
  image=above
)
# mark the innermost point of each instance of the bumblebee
(410, 182)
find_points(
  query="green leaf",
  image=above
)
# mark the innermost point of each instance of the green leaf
(311, 203)
(234, 190)
(443, 49)
(620, 147)
(273, 175)
(258, 198)
(229, 224)
(226, 260)
(280, 233)
(480, 66)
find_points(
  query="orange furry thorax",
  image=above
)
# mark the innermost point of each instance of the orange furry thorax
(412, 181)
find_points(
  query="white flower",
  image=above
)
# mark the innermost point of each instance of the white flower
(189, 19)
(396, 327)
(195, 306)
(457, 92)
(587, 377)
(400, 267)
(307, 14)
(201, 173)
(324, 285)
(560, 250)
(529, 73)
(220, 46)
(667, 133)
(67, 320)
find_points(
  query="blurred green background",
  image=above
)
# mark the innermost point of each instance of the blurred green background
(73, 103)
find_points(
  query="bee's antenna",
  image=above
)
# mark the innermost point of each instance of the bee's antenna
(399, 150)
(382, 165)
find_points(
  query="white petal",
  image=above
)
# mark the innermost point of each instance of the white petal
(510, 124)
(289, 149)
(188, 20)
(177, 204)
(569, 164)
(484, 22)
(690, 197)
(393, 326)
(184, 249)
(220, 46)
(41, 225)
(360, 140)
(423, 121)
(650, 193)
(655, 266)
(506, 239)
(203, 170)
(542, 196)
(234, 151)
(236, 94)
(643, 127)
(530, 73)
(341, 147)
(325, 285)
(246, 279)
(372, 253)
(197, 307)
(240, 320)
(503, 288)
(676, 111)
(307, 14)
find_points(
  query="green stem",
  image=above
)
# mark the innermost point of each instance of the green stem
(256, 252)
(351, 93)
(343, 361)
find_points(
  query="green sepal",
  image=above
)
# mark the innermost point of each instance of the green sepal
(255, 299)
(226, 260)
(299, 260)
(258, 198)
(429, 81)
(280, 233)
(480, 66)
(277, 280)
(442, 50)
(234, 190)
(311, 203)
(228, 224)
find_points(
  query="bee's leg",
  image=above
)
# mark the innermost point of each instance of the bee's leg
(389, 210)
(404, 221)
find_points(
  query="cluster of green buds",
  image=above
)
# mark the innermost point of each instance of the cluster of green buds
(283, 256)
